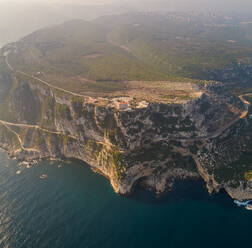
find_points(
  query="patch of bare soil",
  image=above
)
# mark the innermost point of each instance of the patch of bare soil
(93, 55)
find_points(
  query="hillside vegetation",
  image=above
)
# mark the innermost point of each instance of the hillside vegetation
(98, 56)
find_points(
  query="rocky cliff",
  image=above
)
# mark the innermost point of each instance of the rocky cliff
(153, 145)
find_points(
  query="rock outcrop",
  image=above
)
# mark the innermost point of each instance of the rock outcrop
(235, 72)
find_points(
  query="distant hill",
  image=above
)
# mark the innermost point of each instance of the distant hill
(19, 18)
(142, 46)
(180, 44)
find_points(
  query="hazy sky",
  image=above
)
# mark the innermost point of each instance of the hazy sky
(21, 17)
(233, 5)
(82, 1)
(118, 1)
(220, 3)
(67, 1)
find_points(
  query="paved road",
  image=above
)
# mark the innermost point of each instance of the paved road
(242, 116)
(50, 85)
(20, 140)
(10, 124)
(38, 79)
(34, 126)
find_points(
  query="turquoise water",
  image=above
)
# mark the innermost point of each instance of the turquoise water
(74, 207)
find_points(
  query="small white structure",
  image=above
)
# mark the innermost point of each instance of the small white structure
(123, 105)
(143, 104)
(232, 41)
(38, 74)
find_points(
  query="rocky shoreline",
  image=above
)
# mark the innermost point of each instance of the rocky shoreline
(159, 186)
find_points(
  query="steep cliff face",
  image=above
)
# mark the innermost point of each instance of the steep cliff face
(153, 145)
(227, 160)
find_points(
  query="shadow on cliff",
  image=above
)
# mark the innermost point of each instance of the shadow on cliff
(183, 190)
(194, 190)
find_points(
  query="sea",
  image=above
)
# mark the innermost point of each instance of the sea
(75, 208)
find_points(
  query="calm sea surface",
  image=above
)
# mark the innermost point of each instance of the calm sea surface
(74, 207)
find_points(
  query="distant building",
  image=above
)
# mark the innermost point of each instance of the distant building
(123, 105)
(143, 104)
(38, 74)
